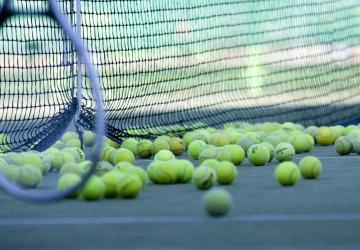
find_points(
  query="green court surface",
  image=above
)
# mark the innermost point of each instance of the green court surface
(320, 214)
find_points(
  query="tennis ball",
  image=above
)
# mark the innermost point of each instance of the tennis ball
(176, 146)
(343, 145)
(350, 128)
(271, 149)
(184, 171)
(166, 173)
(158, 145)
(219, 139)
(141, 173)
(324, 136)
(13, 158)
(151, 170)
(272, 139)
(67, 181)
(94, 189)
(312, 130)
(77, 155)
(310, 167)
(89, 138)
(32, 158)
(106, 153)
(309, 145)
(10, 171)
(69, 136)
(355, 143)
(123, 166)
(299, 143)
(4, 168)
(258, 154)
(143, 148)
(226, 173)
(122, 154)
(211, 163)
(208, 153)
(29, 176)
(195, 149)
(85, 165)
(130, 144)
(111, 180)
(217, 202)
(129, 186)
(223, 154)
(287, 173)
(234, 136)
(73, 143)
(246, 142)
(284, 152)
(204, 177)
(71, 167)
(164, 155)
(188, 138)
(237, 153)
(102, 167)
(59, 145)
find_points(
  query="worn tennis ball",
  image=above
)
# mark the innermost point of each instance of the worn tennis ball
(226, 173)
(29, 176)
(324, 136)
(217, 202)
(151, 170)
(287, 173)
(111, 180)
(143, 148)
(71, 167)
(298, 142)
(122, 154)
(106, 153)
(188, 138)
(222, 154)
(343, 145)
(141, 173)
(271, 149)
(85, 165)
(130, 144)
(73, 143)
(258, 154)
(284, 152)
(129, 186)
(123, 166)
(102, 167)
(94, 189)
(166, 173)
(219, 139)
(158, 145)
(204, 177)
(234, 136)
(208, 153)
(89, 138)
(312, 130)
(164, 155)
(176, 146)
(310, 142)
(247, 141)
(78, 155)
(310, 167)
(13, 158)
(272, 139)
(195, 148)
(184, 171)
(68, 181)
(32, 158)
(69, 136)
(211, 163)
(237, 153)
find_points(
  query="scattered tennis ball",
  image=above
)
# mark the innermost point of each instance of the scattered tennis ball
(122, 154)
(94, 189)
(184, 171)
(29, 176)
(68, 181)
(85, 165)
(324, 136)
(141, 173)
(177, 146)
(188, 138)
(211, 163)
(77, 156)
(272, 139)
(111, 180)
(102, 167)
(312, 130)
(144, 148)
(208, 153)
(32, 158)
(166, 173)
(204, 177)
(195, 149)
(123, 166)
(343, 146)
(234, 136)
(258, 154)
(151, 170)
(73, 143)
(219, 139)
(10, 171)
(106, 153)
(237, 153)
(226, 173)
(129, 186)
(217, 202)
(222, 154)
(164, 138)
(299, 143)
(246, 142)
(13, 158)
(164, 155)
(287, 173)
(71, 167)
(158, 145)
(130, 144)
(284, 152)
(310, 167)
(271, 149)
(69, 136)
(89, 138)
(310, 142)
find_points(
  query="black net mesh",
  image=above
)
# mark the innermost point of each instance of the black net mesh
(167, 66)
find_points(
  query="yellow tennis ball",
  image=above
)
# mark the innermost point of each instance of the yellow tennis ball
(258, 154)
(219, 139)
(164, 155)
(208, 153)
(103, 167)
(176, 146)
(130, 144)
(13, 158)
(94, 189)
(310, 167)
(204, 177)
(343, 145)
(158, 145)
(129, 186)
(222, 154)
(123, 166)
(217, 202)
(69, 136)
(287, 173)
(195, 148)
(226, 173)
(111, 180)
(106, 153)
(71, 167)
(298, 142)
(141, 173)
(325, 137)
(271, 149)
(309, 145)
(211, 163)
(32, 158)
(184, 171)
(73, 143)
(143, 148)
(237, 153)
(89, 138)
(29, 176)
(122, 154)
(166, 173)
(152, 169)
(284, 152)
(68, 181)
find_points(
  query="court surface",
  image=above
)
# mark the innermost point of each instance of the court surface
(321, 214)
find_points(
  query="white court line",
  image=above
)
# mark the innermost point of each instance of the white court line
(179, 219)
(331, 157)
